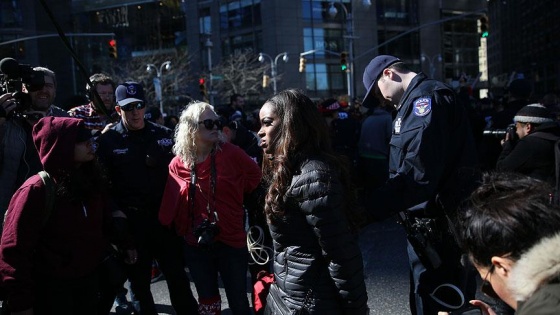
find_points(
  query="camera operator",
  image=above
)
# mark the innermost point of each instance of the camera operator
(93, 118)
(533, 154)
(517, 95)
(19, 159)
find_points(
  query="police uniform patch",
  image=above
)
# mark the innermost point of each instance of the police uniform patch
(422, 106)
(165, 142)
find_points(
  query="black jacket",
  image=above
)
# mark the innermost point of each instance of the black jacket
(431, 144)
(314, 248)
(137, 164)
(533, 155)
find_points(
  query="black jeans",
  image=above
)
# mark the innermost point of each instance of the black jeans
(153, 241)
(230, 264)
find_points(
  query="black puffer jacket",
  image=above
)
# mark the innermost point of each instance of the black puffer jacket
(315, 249)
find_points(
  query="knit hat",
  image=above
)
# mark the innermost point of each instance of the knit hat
(533, 113)
(329, 106)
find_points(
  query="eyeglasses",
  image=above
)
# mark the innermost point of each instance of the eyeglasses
(209, 123)
(486, 286)
(129, 107)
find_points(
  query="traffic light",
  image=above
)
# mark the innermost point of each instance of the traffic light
(483, 26)
(302, 62)
(113, 48)
(202, 87)
(343, 61)
(266, 79)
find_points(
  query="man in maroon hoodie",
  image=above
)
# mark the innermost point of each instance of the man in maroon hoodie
(50, 266)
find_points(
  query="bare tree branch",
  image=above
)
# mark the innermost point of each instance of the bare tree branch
(240, 73)
(175, 82)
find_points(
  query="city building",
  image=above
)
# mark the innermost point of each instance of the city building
(337, 39)
(524, 40)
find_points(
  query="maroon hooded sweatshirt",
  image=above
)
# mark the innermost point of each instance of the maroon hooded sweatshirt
(71, 243)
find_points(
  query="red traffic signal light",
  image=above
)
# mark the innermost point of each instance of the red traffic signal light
(113, 49)
(202, 87)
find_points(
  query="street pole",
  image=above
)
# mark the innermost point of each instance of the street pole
(208, 44)
(431, 62)
(350, 37)
(273, 66)
(158, 81)
(350, 70)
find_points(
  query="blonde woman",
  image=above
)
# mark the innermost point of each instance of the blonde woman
(203, 200)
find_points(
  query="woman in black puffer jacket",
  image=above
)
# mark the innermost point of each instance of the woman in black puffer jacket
(318, 265)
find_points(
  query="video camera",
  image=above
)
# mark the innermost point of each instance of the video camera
(13, 76)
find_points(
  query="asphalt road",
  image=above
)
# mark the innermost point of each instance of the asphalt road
(386, 270)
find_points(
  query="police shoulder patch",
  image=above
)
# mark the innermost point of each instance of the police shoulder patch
(422, 106)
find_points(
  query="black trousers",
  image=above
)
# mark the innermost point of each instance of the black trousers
(153, 241)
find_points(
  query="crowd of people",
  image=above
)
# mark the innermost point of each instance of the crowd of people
(101, 193)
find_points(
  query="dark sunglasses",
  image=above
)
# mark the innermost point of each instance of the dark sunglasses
(131, 106)
(486, 286)
(209, 123)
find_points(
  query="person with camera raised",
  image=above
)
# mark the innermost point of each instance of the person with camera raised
(203, 201)
(136, 153)
(516, 96)
(19, 112)
(530, 150)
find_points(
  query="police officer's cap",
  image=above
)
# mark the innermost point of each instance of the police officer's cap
(372, 73)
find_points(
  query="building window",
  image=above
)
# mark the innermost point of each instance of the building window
(460, 47)
(240, 14)
(10, 14)
(205, 21)
(325, 35)
(394, 12)
(317, 10)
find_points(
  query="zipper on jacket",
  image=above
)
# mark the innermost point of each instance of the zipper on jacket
(285, 269)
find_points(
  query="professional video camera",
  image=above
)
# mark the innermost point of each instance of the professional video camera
(501, 133)
(13, 76)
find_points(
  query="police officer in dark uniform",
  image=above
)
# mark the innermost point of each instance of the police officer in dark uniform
(136, 153)
(431, 141)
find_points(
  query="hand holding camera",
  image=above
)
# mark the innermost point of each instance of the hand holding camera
(12, 80)
(7, 104)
